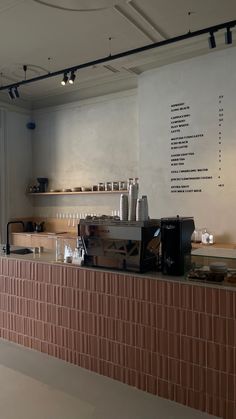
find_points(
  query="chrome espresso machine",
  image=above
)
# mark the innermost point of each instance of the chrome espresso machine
(124, 245)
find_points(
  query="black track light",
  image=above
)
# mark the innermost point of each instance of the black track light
(228, 36)
(11, 94)
(72, 77)
(211, 40)
(16, 92)
(64, 80)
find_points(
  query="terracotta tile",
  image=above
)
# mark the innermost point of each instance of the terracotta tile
(186, 374)
(208, 300)
(230, 331)
(180, 395)
(174, 345)
(173, 320)
(192, 399)
(219, 330)
(162, 343)
(174, 371)
(164, 318)
(154, 298)
(222, 303)
(162, 367)
(186, 297)
(223, 355)
(213, 382)
(199, 379)
(199, 299)
(193, 324)
(162, 389)
(231, 387)
(183, 322)
(216, 301)
(176, 294)
(213, 355)
(223, 385)
(199, 348)
(151, 384)
(212, 405)
(186, 349)
(230, 360)
(223, 408)
(229, 409)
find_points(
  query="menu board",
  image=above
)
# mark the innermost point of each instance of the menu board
(192, 168)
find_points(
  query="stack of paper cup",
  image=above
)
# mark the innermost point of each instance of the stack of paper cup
(146, 215)
(140, 210)
(123, 207)
(133, 195)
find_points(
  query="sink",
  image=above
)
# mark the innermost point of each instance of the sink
(23, 251)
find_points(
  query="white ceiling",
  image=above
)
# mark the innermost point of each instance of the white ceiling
(70, 32)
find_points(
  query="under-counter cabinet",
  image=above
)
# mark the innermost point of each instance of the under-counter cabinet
(34, 240)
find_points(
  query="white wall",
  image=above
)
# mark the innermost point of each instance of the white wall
(197, 82)
(19, 163)
(82, 144)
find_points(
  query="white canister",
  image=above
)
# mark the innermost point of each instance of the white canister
(123, 207)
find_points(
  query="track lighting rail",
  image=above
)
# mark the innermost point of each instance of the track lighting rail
(209, 30)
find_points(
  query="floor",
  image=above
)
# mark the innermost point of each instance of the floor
(36, 386)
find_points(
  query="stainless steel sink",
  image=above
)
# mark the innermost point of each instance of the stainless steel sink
(23, 251)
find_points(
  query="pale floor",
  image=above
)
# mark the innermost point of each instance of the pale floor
(36, 386)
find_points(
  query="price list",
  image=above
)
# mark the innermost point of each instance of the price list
(220, 139)
(196, 164)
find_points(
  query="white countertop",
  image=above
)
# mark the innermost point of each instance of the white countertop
(48, 257)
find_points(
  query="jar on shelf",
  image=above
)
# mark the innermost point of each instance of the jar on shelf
(115, 186)
(101, 186)
(123, 185)
(108, 186)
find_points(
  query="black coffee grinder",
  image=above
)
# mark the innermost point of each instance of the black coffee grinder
(43, 184)
(176, 245)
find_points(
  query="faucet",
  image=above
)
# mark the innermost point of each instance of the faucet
(7, 247)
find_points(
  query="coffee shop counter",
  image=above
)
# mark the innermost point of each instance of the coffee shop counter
(164, 335)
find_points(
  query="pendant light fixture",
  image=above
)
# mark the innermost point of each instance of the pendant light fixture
(64, 80)
(72, 77)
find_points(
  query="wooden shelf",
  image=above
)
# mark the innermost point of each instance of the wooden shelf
(76, 193)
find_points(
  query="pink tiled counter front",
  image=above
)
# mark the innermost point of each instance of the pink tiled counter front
(170, 338)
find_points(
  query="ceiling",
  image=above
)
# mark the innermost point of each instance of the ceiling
(49, 35)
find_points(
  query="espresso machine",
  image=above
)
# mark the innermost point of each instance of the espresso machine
(124, 245)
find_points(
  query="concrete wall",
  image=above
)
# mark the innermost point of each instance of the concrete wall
(16, 166)
(206, 86)
(82, 144)
(19, 164)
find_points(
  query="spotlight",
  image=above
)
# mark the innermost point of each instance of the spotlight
(11, 94)
(228, 36)
(72, 77)
(211, 40)
(16, 92)
(64, 80)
